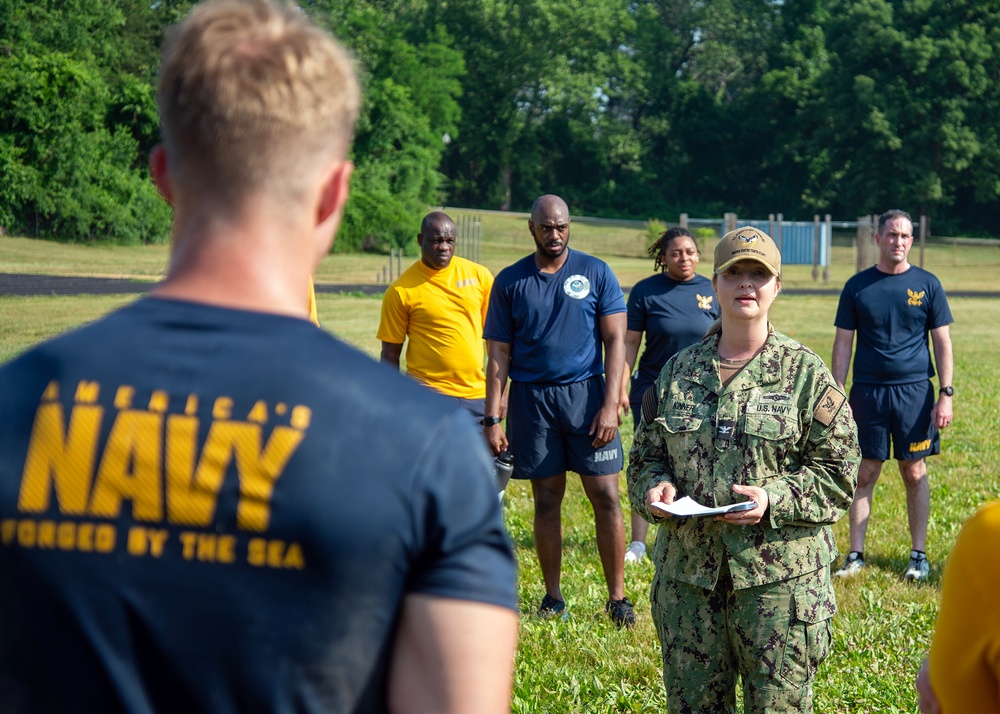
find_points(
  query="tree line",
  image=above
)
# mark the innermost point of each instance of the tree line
(635, 109)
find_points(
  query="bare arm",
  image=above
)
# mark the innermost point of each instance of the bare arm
(390, 353)
(452, 656)
(605, 424)
(944, 360)
(497, 369)
(843, 345)
(927, 699)
(632, 340)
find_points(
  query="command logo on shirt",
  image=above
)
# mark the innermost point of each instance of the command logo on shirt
(577, 286)
(915, 297)
(829, 403)
(704, 301)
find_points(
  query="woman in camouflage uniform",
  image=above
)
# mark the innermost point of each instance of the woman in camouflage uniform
(747, 413)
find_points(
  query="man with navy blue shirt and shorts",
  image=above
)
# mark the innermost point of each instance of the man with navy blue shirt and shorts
(550, 316)
(893, 307)
(207, 503)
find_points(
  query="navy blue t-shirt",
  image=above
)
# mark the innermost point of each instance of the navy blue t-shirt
(674, 315)
(213, 510)
(551, 319)
(892, 316)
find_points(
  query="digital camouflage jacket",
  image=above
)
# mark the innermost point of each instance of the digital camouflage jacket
(781, 424)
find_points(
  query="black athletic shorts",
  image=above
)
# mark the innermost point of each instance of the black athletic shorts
(548, 425)
(901, 412)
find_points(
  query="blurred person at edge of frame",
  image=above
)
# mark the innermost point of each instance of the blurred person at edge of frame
(191, 486)
(962, 671)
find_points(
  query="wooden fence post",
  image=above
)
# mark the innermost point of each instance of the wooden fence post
(729, 221)
(860, 241)
(829, 248)
(816, 240)
(923, 238)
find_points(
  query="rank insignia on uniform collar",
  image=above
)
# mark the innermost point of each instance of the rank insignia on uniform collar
(724, 429)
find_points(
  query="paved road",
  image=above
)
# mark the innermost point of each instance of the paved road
(18, 284)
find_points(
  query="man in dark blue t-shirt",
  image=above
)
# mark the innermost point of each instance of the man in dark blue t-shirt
(892, 307)
(550, 315)
(209, 505)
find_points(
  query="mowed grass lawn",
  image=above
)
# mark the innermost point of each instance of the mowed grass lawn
(584, 664)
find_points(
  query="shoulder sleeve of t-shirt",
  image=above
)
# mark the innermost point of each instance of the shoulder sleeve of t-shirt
(463, 549)
(846, 318)
(637, 308)
(499, 319)
(610, 299)
(395, 320)
(486, 277)
(940, 311)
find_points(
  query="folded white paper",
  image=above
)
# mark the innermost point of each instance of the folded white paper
(687, 506)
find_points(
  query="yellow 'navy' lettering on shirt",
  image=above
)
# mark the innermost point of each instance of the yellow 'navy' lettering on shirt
(152, 460)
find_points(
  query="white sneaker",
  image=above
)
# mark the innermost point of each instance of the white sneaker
(919, 567)
(635, 552)
(853, 564)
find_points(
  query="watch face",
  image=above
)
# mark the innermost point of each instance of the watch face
(948, 391)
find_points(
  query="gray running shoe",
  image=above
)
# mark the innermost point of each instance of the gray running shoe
(853, 564)
(919, 567)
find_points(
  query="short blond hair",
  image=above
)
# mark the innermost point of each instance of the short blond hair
(254, 96)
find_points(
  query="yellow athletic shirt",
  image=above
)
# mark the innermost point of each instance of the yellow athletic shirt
(442, 313)
(965, 651)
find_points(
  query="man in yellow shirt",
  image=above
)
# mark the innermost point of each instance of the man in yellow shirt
(439, 303)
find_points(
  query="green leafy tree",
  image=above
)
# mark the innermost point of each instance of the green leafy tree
(65, 173)
(538, 113)
(70, 168)
(412, 78)
(909, 96)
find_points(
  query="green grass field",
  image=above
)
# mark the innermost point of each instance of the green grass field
(585, 664)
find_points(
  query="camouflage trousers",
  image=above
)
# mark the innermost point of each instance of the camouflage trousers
(772, 636)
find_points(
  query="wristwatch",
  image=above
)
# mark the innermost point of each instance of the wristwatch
(490, 421)
(947, 391)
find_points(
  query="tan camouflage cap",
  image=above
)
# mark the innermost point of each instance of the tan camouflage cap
(747, 243)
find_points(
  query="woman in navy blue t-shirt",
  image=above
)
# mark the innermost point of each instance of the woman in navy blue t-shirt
(674, 308)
